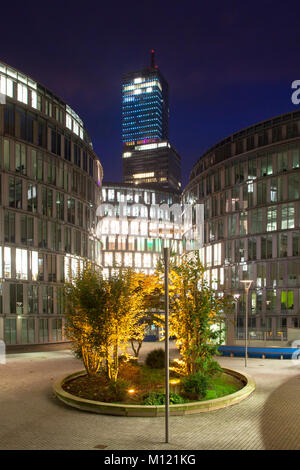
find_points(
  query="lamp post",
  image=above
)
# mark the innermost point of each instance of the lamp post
(247, 285)
(236, 299)
(167, 392)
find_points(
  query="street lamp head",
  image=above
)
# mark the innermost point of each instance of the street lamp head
(247, 283)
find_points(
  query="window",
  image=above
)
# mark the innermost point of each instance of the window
(60, 300)
(15, 193)
(10, 330)
(51, 261)
(32, 197)
(21, 160)
(239, 251)
(266, 247)
(296, 243)
(252, 169)
(37, 165)
(71, 210)
(22, 93)
(271, 301)
(228, 253)
(261, 192)
(235, 198)
(68, 242)
(252, 249)
(293, 186)
(47, 299)
(295, 158)
(287, 300)
(6, 154)
(282, 245)
(27, 330)
(26, 224)
(42, 233)
(293, 273)
(271, 219)
(57, 330)
(257, 221)
(232, 225)
(7, 262)
(21, 264)
(266, 165)
(9, 227)
(43, 330)
(56, 236)
(287, 216)
(16, 298)
(47, 201)
(282, 162)
(261, 275)
(52, 171)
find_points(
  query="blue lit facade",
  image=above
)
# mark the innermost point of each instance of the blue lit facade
(148, 156)
(145, 112)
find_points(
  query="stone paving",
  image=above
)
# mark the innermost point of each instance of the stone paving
(32, 418)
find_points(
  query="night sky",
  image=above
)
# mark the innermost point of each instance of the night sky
(229, 64)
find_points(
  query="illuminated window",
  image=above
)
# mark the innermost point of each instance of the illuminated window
(7, 262)
(287, 216)
(128, 259)
(22, 93)
(68, 121)
(131, 243)
(138, 260)
(147, 260)
(118, 259)
(217, 254)
(134, 227)
(34, 265)
(271, 219)
(208, 255)
(34, 99)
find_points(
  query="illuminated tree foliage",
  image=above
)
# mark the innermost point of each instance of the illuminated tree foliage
(196, 314)
(104, 314)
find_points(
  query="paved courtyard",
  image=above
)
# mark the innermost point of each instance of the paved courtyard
(32, 418)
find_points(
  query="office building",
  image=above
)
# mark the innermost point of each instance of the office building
(148, 156)
(249, 185)
(50, 189)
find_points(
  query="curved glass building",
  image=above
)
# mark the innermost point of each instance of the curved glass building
(50, 189)
(249, 185)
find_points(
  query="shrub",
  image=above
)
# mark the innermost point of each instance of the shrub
(195, 385)
(159, 398)
(210, 368)
(156, 359)
(129, 371)
(117, 390)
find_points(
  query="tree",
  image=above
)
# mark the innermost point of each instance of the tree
(87, 317)
(103, 315)
(196, 312)
(147, 287)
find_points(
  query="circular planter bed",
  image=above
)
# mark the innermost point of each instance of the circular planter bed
(247, 386)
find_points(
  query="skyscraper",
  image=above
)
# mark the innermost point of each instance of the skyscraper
(148, 156)
(145, 107)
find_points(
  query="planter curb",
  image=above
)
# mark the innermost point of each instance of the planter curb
(152, 411)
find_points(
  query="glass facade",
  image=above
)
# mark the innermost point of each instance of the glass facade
(145, 112)
(50, 189)
(148, 157)
(252, 218)
(138, 240)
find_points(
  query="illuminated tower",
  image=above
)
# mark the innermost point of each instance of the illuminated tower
(148, 156)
